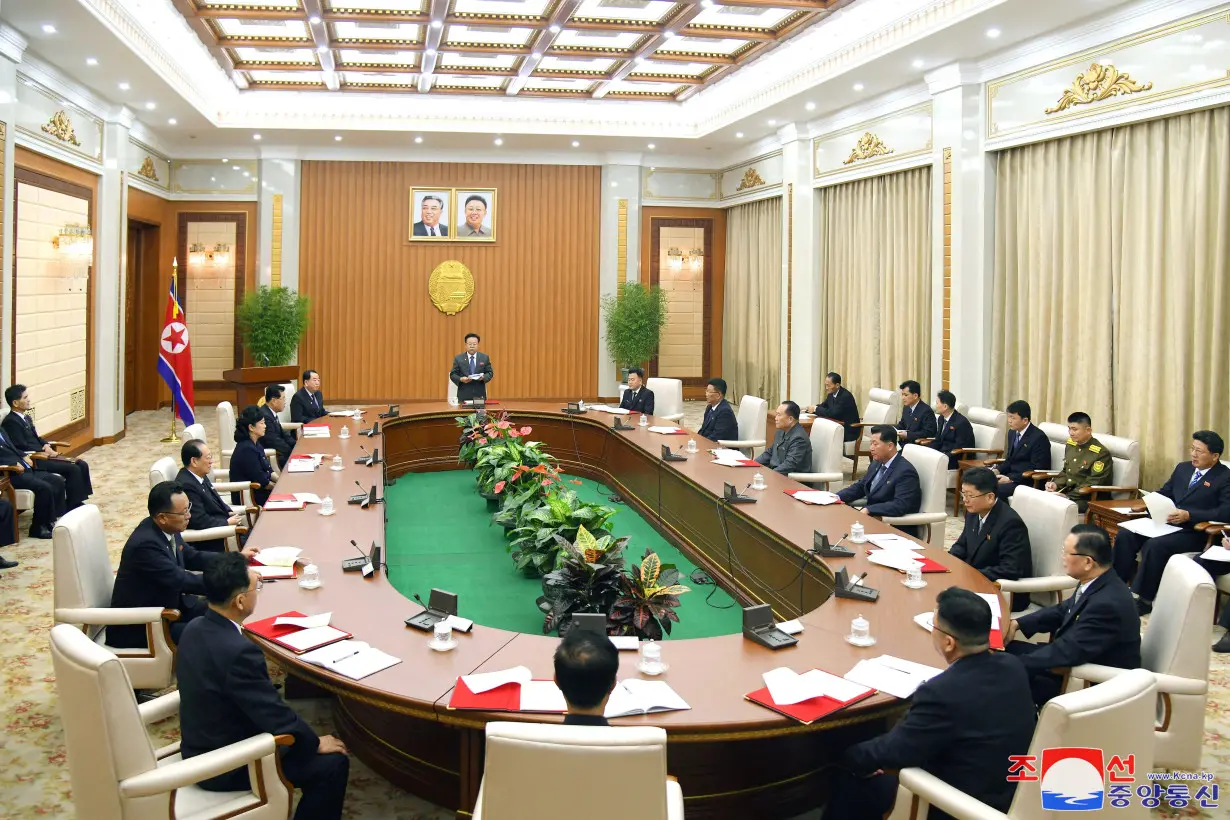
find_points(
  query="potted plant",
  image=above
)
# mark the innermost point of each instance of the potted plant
(533, 546)
(524, 492)
(474, 435)
(649, 597)
(272, 322)
(501, 449)
(634, 318)
(587, 581)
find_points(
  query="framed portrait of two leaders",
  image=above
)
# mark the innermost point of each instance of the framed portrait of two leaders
(452, 214)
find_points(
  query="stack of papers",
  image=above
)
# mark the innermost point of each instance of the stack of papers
(1216, 553)
(787, 686)
(667, 431)
(888, 541)
(1160, 507)
(900, 560)
(821, 497)
(353, 659)
(891, 675)
(927, 620)
(341, 412)
(279, 557)
(608, 408)
(283, 501)
(507, 690)
(307, 498)
(315, 431)
(640, 697)
(486, 681)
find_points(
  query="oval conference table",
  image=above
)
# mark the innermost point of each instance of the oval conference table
(732, 757)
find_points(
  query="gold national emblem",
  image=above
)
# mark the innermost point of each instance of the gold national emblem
(451, 287)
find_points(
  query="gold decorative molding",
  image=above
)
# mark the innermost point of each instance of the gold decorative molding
(451, 287)
(61, 127)
(1099, 82)
(868, 146)
(751, 179)
(275, 253)
(148, 170)
(946, 342)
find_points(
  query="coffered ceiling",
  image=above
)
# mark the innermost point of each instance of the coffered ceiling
(612, 49)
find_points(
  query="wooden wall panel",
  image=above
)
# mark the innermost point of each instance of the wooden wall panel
(374, 333)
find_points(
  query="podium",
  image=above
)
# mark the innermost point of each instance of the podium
(250, 382)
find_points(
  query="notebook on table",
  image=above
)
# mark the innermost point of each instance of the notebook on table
(642, 697)
(283, 501)
(511, 690)
(807, 697)
(296, 638)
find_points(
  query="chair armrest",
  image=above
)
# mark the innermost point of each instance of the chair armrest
(815, 478)
(160, 708)
(1040, 473)
(209, 534)
(674, 800)
(36, 455)
(1213, 527)
(672, 417)
(223, 474)
(966, 450)
(57, 444)
(188, 772)
(1166, 684)
(11, 468)
(741, 443)
(1106, 488)
(1045, 583)
(270, 452)
(945, 797)
(860, 424)
(232, 486)
(923, 442)
(994, 460)
(915, 518)
(291, 425)
(113, 616)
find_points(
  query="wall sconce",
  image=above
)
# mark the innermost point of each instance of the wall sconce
(75, 243)
(218, 256)
(678, 258)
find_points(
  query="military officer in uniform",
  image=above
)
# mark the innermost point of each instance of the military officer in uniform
(1085, 461)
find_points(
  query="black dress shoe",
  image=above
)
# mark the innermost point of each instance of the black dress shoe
(40, 532)
(1143, 607)
(1223, 644)
(6, 564)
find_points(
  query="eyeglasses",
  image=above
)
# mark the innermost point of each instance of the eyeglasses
(1073, 554)
(187, 511)
(260, 584)
(972, 496)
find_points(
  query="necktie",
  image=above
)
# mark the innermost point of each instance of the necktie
(878, 480)
(943, 426)
(473, 370)
(1075, 598)
(1196, 476)
(1015, 439)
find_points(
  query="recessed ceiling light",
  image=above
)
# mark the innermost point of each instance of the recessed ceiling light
(537, 55)
(614, 184)
(639, 61)
(48, 28)
(431, 52)
(772, 122)
(499, 141)
(256, 136)
(993, 33)
(576, 144)
(235, 168)
(247, 173)
(172, 121)
(337, 138)
(225, 161)
(919, 63)
(322, 50)
(151, 105)
(652, 146)
(811, 106)
(213, 179)
(91, 61)
(437, 23)
(670, 35)
(739, 135)
(314, 20)
(124, 86)
(553, 29)
(418, 140)
(858, 86)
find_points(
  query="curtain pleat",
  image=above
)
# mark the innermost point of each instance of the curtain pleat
(751, 324)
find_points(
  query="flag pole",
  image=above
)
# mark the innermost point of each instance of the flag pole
(172, 438)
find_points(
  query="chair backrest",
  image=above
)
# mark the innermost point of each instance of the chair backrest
(827, 445)
(226, 424)
(883, 407)
(1057, 434)
(1125, 455)
(1176, 641)
(753, 418)
(667, 396)
(83, 577)
(1049, 517)
(518, 754)
(195, 431)
(990, 427)
(1116, 717)
(932, 467)
(164, 469)
(452, 390)
(288, 390)
(103, 732)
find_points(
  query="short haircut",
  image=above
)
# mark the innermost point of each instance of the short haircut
(912, 386)
(1094, 542)
(835, 378)
(637, 371)
(476, 198)
(718, 385)
(273, 391)
(1080, 418)
(308, 374)
(792, 409)
(1206, 437)
(160, 497)
(585, 667)
(947, 398)
(886, 432)
(190, 450)
(432, 196)
(250, 417)
(963, 615)
(1021, 408)
(474, 336)
(225, 577)
(13, 394)
(981, 479)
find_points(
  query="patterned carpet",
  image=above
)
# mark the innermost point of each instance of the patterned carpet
(32, 753)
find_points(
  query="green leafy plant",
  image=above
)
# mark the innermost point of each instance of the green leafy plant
(502, 448)
(650, 593)
(474, 436)
(634, 318)
(272, 322)
(533, 545)
(587, 581)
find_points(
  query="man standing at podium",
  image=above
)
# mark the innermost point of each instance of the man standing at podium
(471, 371)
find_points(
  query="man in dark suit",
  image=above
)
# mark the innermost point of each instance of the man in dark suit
(1200, 488)
(719, 423)
(471, 371)
(995, 540)
(308, 404)
(890, 484)
(917, 418)
(275, 437)
(226, 697)
(954, 432)
(790, 451)
(430, 211)
(1098, 624)
(585, 668)
(6, 531)
(638, 398)
(207, 508)
(48, 488)
(961, 726)
(156, 567)
(1027, 449)
(838, 405)
(19, 428)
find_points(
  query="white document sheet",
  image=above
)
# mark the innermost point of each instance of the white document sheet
(307, 498)
(626, 643)
(1216, 553)
(314, 432)
(311, 638)
(663, 429)
(793, 627)
(892, 676)
(458, 623)
(334, 652)
(307, 621)
(360, 665)
(926, 620)
(542, 696)
(486, 681)
(1148, 527)
(993, 601)
(639, 697)
(893, 559)
(822, 497)
(787, 687)
(727, 454)
(1160, 507)
(300, 465)
(274, 573)
(278, 556)
(888, 541)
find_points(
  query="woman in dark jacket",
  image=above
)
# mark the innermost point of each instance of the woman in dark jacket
(249, 462)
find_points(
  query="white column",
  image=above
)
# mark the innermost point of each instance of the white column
(111, 246)
(11, 48)
(800, 268)
(958, 117)
(279, 176)
(621, 182)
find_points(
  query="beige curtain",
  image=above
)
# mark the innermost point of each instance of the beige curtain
(751, 323)
(1112, 281)
(875, 280)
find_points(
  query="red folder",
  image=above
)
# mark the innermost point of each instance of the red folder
(288, 498)
(265, 629)
(807, 711)
(997, 639)
(927, 565)
(281, 573)
(676, 433)
(506, 698)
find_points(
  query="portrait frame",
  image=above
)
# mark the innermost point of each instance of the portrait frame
(417, 195)
(460, 202)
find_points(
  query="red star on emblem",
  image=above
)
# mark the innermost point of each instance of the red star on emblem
(176, 339)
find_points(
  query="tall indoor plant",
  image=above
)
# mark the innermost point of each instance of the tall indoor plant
(272, 322)
(634, 318)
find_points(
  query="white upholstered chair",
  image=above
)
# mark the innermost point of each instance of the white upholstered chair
(116, 772)
(1124, 470)
(753, 418)
(82, 595)
(990, 433)
(1175, 647)
(23, 500)
(1116, 716)
(826, 453)
(633, 756)
(288, 390)
(1057, 436)
(883, 406)
(1049, 518)
(932, 466)
(164, 469)
(452, 390)
(667, 398)
(226, 433)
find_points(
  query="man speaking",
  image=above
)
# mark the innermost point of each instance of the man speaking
(471, 371)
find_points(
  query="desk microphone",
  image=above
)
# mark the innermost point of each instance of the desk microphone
(821, 546)
(355, 564)
(367, 457)
(667, 455)
(358, 499)
(846, 588)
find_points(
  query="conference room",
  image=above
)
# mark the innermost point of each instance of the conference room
(783, 409)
